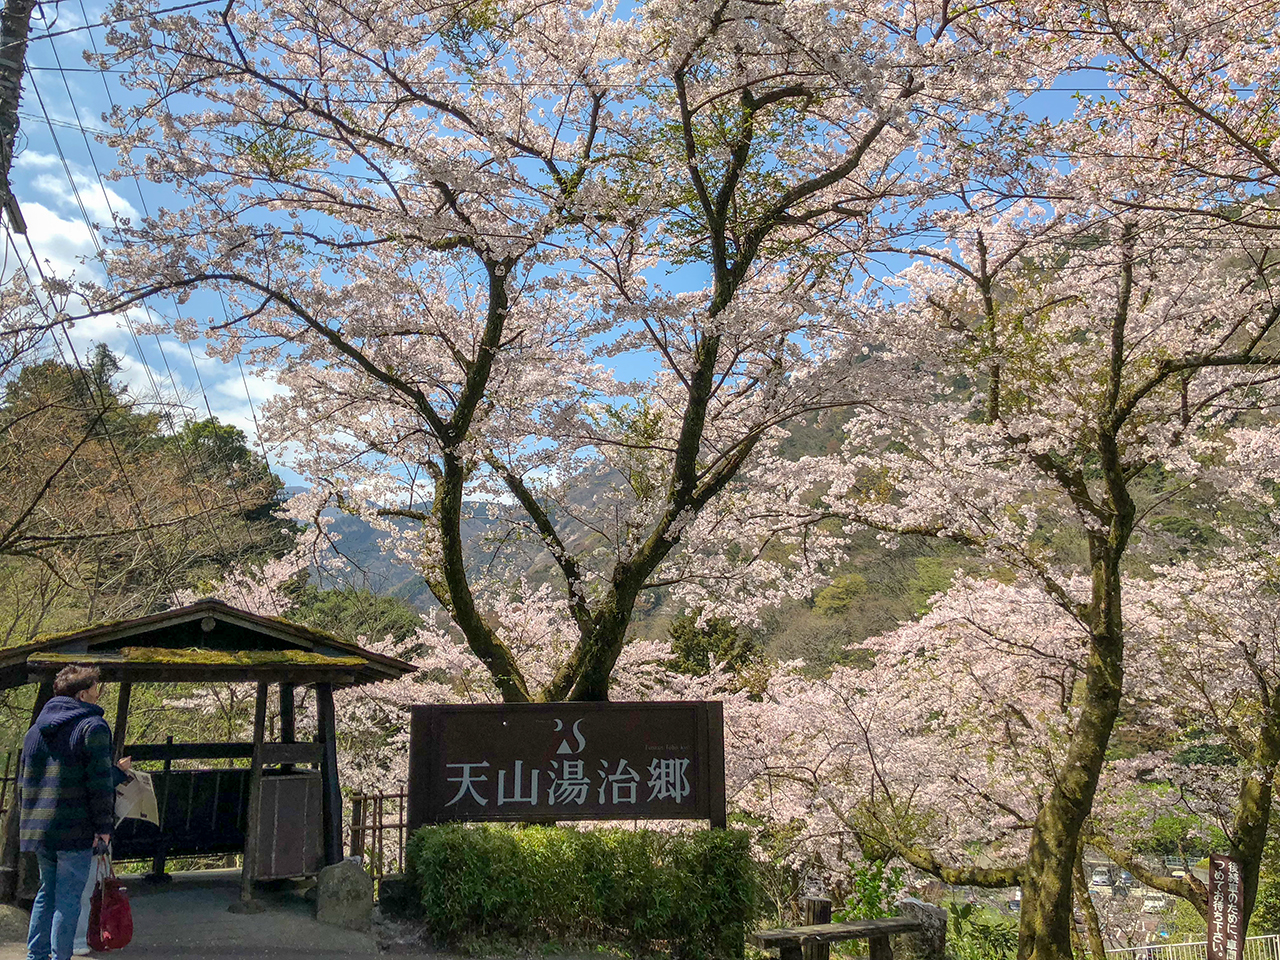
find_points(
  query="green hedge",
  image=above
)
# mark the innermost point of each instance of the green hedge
(692, 892)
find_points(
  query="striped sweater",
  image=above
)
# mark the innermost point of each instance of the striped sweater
(67, 787)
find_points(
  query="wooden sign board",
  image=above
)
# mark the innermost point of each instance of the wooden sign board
(1226, 940)
(567, 761)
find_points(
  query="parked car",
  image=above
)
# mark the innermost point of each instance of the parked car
(1126, 878)
(1101, 877)
(1154, 903)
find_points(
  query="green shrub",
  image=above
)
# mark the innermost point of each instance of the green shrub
(695, 892)
(978, 934)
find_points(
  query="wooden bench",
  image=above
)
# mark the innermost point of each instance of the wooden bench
(790, 941)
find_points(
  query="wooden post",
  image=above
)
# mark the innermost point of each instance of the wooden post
(330, 793)
(790, 950)
(712, 714)
(10, 854)
(122, 719)
(15, 26)
(250, 860)
(357, 824)
(157, 874)
(816, 910)
(4, 783)
(288, 720)
(881, 949)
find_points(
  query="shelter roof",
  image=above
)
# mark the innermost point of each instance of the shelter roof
(205, 641)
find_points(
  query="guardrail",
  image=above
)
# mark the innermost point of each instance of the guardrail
(1255, 948)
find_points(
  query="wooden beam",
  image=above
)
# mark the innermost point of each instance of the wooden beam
(190, 751)
(255, 794)
(835, 932)
(330, 792)
(15, 25)
(118, 671)
(122, 719)
(288, 714)
(288, 754)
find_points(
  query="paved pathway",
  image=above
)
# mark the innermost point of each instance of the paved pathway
(188, 920)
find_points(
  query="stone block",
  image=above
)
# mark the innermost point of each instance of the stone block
(931, 943)
(344, 895)
(14, 922)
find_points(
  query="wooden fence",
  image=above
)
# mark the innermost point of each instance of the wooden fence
(8, 782)
(378, 831)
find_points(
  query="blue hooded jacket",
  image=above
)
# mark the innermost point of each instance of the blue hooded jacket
(67, 787)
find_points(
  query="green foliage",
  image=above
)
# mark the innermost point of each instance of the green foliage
(977, 934)
(1208, 754)
(694, 646)
(873, 891)
(841, 595)
(352, 613)
(1185, 924)
(933, 576)
(221, 450)
(276, 153)
(694, 891)
(639, 425)
(1266, 909)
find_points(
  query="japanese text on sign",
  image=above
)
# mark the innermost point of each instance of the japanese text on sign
(566, 782)
(567, 762)
(1225, 929)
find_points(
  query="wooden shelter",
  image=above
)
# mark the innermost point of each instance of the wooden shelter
(284, 809)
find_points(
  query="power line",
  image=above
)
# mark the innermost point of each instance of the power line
(204, 507)
(147, 211)
(556, 86)
(106, 23)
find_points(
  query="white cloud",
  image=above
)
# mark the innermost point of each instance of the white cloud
(60, 242)
(99, 200)
(35, 160)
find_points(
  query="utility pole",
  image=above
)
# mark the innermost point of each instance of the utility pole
(15, 25)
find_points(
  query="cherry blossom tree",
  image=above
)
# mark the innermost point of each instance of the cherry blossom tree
(1204, 678)
(1187, 124)
(1059, 373)
(373, 719)
(444, 228)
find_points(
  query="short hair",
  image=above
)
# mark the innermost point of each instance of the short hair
(71, 680)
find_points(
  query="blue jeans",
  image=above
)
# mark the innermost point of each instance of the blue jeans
(63, 874)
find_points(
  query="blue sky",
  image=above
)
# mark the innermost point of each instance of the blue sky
(61, 177)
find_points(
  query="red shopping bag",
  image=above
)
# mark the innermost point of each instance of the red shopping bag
(110, 917)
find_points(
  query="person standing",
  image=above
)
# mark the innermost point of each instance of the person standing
(67, 805)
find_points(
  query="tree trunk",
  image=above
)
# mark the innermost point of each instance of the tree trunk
(1253, 815)
(1044, 931)
(1097, 948)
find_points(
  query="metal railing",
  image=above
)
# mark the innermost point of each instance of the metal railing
(378, 832)
(1255, 948)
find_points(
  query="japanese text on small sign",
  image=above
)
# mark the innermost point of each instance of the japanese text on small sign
(1225, 929)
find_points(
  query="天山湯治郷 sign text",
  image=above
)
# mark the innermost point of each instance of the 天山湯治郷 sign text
(567, 761)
